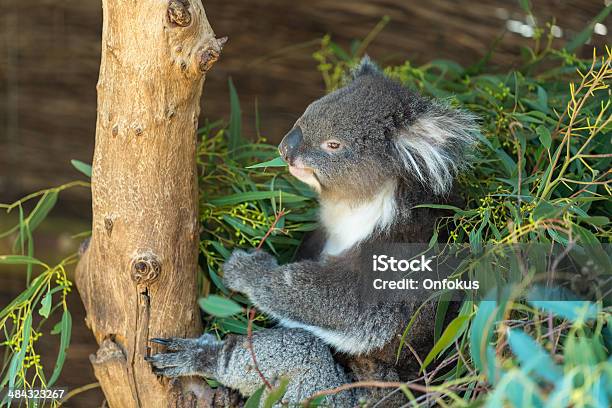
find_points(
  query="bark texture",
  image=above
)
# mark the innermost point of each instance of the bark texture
(137, 278)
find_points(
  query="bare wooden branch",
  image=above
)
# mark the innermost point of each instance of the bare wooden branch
(137, 277)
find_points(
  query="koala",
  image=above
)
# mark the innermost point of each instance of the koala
(372, 150)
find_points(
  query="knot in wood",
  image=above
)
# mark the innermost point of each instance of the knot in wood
(108, 225)
(145, 268)
(209, 55)
(137, 129)
(178, 13)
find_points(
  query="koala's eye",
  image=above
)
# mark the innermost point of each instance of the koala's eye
(331, 145)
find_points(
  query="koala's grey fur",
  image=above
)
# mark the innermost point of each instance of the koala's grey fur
(397, 150)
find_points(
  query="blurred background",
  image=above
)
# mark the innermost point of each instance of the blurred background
(49, 57)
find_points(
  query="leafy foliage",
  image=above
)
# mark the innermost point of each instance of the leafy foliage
(239, 204)
(542, 175)
(25, 319)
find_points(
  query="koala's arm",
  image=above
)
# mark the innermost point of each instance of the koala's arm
(321, 297)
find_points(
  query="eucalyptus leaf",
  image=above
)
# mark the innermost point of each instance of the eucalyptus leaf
(235, 125)
(233, 199)
(532, 356)
(45, 305)
(82, 167)
(65, 334)
(219, 306)
(276, 393)
(544, 135)
(255, 398)
(39, 213)
(276, 162)
(452, 331)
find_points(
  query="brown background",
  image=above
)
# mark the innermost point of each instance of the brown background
(49, 56)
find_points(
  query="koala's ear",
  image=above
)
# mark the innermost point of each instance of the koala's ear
(366, 67)
(437, 145)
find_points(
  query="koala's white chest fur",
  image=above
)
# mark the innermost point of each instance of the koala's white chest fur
(348, 225)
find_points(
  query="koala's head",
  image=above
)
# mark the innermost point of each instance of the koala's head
(353, 141)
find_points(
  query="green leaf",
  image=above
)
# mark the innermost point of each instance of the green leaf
(233, 199)
(276, 162)
(45, 305)
(544, 136)
(234, 325)
(66, 332)
(475, 238)
(318, 401)
(542, 100)
(544, 210)
(439, 206)
(216, 279)
(39, 213)
(525, 6)
(481, 332)
(219, 306)
(235, 123)
(598, 220)
(17, 360)
(532, 356)
(506, 161)
(241, 226)
(339, 52)
(212, 383)
(44, 206)
(19, 260)
(586, 237)
(82, 167)
(452, 331)
(441, 307)
(276, 393)
(57, 329)
(221, 249)
(24, 296)
(253, 401)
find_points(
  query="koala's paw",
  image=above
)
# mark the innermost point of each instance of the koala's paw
(186, 356)
(243, 267)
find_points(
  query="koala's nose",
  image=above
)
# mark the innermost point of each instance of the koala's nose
(290, 143)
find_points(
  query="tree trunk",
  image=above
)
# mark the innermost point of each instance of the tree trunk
(137, 278)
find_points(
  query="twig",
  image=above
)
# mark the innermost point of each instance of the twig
(279, 215)
(79, 390)
(252, 311)
(463, 360)
(443, 364)
(252, 350)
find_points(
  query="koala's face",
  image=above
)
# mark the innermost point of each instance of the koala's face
(342, 146)
(352, 142)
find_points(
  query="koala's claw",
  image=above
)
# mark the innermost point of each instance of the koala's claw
(177, 343)
(185, 356)
(158, 340)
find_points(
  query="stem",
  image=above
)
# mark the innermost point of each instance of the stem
(252, 350)
(279, 215)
